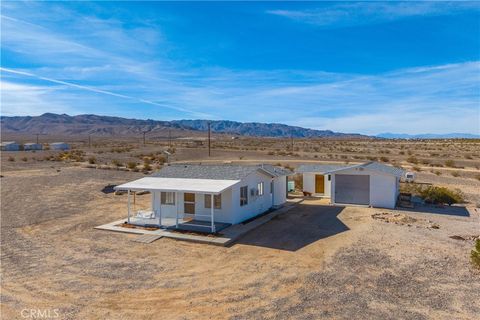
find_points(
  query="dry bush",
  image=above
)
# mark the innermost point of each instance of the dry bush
(24, 159)
(131, 165)
(433, 194)
(417, 168)
(384, 159)
(10, 158)
(412, 159)
(450, 163)
(117, 163)
(92, 160)
(475, 254)
(455, 174)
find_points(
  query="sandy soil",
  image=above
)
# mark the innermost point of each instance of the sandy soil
(315, 261)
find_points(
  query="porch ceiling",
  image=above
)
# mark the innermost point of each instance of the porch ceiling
(176, 184)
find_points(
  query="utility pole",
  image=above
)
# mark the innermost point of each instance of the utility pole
(37, 137)
(209, 138)
(89, 140)
(291, 141)
(170, 138)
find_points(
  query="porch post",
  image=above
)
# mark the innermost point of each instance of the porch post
(212, 212)
(128, 205)
(176, 209)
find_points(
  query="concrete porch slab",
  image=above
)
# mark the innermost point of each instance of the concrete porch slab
(224, 238)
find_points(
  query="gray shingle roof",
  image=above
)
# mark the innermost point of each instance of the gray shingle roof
(215, 172)
(328, 168)
(376, 166)
(320, 168)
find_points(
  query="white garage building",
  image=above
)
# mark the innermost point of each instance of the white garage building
(370, 184)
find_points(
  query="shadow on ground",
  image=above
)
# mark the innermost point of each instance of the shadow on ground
(458, 211)
(297, 228)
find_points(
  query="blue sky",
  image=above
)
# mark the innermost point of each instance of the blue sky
(368, 67)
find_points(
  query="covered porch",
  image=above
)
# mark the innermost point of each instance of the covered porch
(177, 203)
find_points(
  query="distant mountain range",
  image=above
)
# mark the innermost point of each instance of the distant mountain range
(389, 135)
(106, 126)
(65, 125)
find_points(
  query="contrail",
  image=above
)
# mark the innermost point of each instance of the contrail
(28, 74)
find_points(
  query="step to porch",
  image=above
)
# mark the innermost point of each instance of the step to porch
(147, 238)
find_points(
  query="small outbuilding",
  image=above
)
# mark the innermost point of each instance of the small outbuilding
(369, 184)
(10, 146)
(32, 146)
(59, 146)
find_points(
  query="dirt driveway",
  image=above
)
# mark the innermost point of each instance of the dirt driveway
(313, 262)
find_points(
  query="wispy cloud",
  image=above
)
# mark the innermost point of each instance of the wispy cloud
(359, 13)
(102, 66)
(95, 90)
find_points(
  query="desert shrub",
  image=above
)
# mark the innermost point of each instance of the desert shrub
(161, 159)
(455, 174)
(131, 165)
(475, 254)
(384, 159)
(117, 163)
(147, 167)
(401, 152)
(271, 153)
(72, 155)
(92, 160)
(450, 163)
(10, 158)
(467, 156)
(477, 177)
(437, 173)
(417, 168)
(412, 159)
(24, 159)
(441, 195)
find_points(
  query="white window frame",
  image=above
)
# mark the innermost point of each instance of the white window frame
(167, 198)
(243, 196)
(260, 188)
(217, 200)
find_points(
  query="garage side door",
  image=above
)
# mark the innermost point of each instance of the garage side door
(353, 189)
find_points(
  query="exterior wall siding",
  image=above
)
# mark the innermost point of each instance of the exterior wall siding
(256, 204)
(231, 211)
(309, 184)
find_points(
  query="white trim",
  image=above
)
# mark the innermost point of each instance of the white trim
(202, 186)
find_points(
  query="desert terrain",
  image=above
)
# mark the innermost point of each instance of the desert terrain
(315, 261)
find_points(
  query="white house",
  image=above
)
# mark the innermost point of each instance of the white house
(10, 146)
(32, 146)
(59, 146)
(209, 196)
(370, 184)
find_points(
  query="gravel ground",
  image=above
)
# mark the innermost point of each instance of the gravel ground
(313, 262)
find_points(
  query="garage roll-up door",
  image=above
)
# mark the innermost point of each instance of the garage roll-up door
(353, 189)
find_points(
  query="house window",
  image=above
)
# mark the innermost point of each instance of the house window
(167, 198)
(260, 188)
(329, 177)
(217, 201)
(243, 196)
